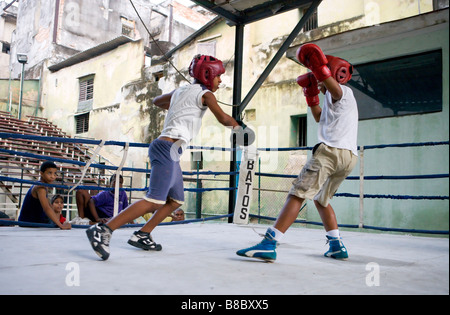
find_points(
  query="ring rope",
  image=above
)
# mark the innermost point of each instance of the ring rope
(356, 226)
(77, 226)
(145, 145)
(100, 166)
(87, 187)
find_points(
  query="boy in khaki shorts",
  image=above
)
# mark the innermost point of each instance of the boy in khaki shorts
(333, 158)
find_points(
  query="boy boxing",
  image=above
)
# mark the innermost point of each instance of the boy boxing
(333, 158)
(186, 107)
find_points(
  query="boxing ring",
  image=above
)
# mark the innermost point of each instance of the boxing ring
(360, 195)
(198, 254)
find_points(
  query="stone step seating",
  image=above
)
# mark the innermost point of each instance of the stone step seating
(27, 168)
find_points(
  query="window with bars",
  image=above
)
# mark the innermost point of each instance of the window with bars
(86, 89)
(312, 22)
(82, 123)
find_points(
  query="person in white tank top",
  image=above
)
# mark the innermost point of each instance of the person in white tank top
(185, 109)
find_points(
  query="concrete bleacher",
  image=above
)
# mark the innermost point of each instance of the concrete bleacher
(27, 168)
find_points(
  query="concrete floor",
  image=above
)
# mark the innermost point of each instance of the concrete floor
(199, 259)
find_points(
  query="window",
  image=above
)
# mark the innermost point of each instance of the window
(82, 123)
(6, 48)
(311, 23)
(299, 131)
(86, 89)
(399, 86)
(86, 94)
(127, 27)
(301, 139)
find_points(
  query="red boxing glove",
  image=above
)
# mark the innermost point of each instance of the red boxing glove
(312, 57)
(310, 88)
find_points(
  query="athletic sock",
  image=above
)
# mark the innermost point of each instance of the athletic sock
(333, 233)
(278, 235)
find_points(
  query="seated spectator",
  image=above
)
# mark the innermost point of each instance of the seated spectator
(176, 215)
(100, 208)
(36, 207)
(57, 203)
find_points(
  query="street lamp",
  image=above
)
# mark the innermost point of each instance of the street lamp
(22, 58)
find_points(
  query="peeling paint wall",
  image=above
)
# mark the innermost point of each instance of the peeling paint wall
(10, 94)
(118, 113)
(45, 34)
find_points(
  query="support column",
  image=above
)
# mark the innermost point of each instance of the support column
(237, 91)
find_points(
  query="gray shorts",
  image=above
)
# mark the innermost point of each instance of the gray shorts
(322, 175)
(166, 178)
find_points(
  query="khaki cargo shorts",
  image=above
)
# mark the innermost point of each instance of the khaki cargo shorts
(322, 175)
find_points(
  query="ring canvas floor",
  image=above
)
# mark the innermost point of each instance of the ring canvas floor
(200, 259)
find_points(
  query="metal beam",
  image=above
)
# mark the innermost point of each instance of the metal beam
(278, 55)
(237, 94)
(219, 11)
(269, 9)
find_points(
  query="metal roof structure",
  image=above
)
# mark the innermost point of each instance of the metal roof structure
(248, 11)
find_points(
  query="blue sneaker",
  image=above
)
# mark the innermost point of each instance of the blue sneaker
(265, 250)
(337, 249)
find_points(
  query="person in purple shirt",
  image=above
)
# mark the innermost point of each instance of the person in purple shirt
(100, 207)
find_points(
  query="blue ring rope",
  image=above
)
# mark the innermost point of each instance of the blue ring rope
(77, 226)
(145, 145)
(117, 143)
(356, 226)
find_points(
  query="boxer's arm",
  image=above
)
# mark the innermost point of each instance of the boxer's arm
(334, 88)
(310, 88)
(210, 100)
(316, 111)
(163, 101)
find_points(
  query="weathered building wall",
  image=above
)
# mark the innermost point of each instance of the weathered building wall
(58, 29)
(117, 111)
(10, 94)
(7, 26)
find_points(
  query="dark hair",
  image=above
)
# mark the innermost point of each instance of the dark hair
(46, 165)
(56, 197)
(113, 178)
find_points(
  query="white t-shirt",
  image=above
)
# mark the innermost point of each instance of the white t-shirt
(184, 117)
(338, 125)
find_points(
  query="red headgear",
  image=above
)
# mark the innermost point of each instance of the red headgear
(205, 68)
(341, 69)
